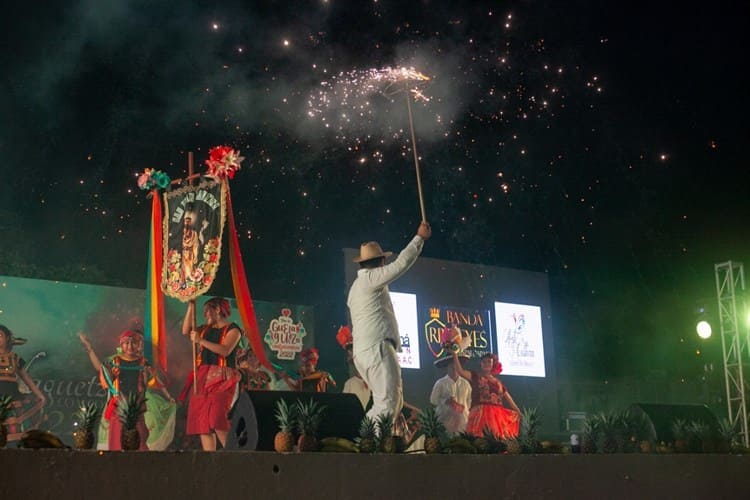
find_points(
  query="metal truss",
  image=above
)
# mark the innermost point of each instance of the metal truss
(735, 341)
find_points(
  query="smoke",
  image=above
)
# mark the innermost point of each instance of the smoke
(171, 68)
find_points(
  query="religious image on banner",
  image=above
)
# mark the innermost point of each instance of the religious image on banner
(193, 226)
(472, 323)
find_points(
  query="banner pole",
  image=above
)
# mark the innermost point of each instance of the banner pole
(192, 344)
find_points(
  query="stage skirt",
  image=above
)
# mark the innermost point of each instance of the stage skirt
(160, 423)
(502, 422)
(207, 410)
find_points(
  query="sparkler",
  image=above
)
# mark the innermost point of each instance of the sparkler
(353, 90)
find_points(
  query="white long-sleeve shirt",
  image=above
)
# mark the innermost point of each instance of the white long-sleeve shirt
(370, 306)
(459, 390)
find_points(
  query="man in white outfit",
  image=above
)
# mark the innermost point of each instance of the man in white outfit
(374, 328)
(451, 396)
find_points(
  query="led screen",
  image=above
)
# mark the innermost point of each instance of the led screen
(519, 339)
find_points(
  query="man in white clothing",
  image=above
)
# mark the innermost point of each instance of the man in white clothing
(451, 396)
(375, 332)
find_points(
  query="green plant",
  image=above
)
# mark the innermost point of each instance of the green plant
(679, 435)
(86, 417)
(384, 425)
(309, 415)
(129, 411)
(530, 422)
(728, 436)
(590, 435)
(285, 418)
(367, 439)
(433, 430)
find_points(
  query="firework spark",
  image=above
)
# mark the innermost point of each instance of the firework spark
(347, 103)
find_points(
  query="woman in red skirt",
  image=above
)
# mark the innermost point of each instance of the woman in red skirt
(217, 378)
(487, 395)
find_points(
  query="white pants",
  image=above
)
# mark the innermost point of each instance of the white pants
(379, 367)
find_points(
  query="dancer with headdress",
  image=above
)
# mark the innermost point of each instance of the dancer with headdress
(310, 378)
(125, 373)
(252, 376)
(216, 377)
(12, 370)
(487, 396)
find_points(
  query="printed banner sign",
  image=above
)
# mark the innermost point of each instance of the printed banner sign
(405, 309)
(473, 323)
(193, 226)
(284, 336)
(519, 338)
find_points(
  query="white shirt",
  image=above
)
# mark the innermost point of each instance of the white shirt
(460, 390)
(370, 307)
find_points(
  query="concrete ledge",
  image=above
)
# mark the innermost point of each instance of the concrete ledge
(58, 474)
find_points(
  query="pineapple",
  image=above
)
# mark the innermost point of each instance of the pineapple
(513, 446)
(639, 429)
(590, 434)
(86, 416)
(309, 416)
(608, 429)
(384, 424)
(285, 417)
(5, 402)
(728, 436)
(529, 426)
(463, 442)
(129, 411)
(679, 433)
(367, 441)
(494, 443)
(622, 433)
(433, 430)
(699, 438)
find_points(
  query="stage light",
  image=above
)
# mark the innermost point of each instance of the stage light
(704, 329)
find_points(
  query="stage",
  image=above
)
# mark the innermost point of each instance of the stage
(68, 474)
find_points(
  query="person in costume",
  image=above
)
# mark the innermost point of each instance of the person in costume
(451, 394)
(354, 384)
(487, 396)
(122, 374)
(253, 377)
(310, 378)
(375, 334)
(217, 379)
(12, 369)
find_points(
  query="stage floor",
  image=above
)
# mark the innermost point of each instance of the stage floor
(66, 474)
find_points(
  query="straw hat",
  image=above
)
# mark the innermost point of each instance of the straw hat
(446, 357)
(370, 250)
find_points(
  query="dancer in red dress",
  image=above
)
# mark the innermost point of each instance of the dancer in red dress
(217, 379)
(487, 395)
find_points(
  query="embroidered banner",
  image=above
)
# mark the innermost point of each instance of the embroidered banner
(193, 226)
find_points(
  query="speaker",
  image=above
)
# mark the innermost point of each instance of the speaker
(254, 426)
(243, 430)
(662, 416)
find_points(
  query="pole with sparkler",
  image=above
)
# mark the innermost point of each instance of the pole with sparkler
(355, 89)
(412, 80)
(416, 158)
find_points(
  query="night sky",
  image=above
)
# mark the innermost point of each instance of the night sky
(601, 142)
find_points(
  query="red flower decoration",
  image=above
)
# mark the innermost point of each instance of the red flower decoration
(497, 366)
(344, 336)
(223, 161)
(310, 354)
